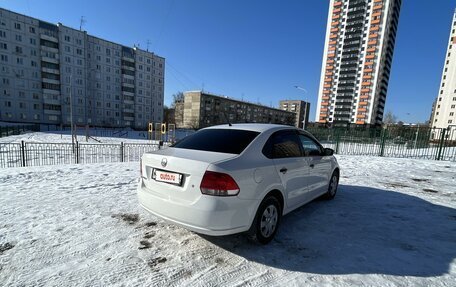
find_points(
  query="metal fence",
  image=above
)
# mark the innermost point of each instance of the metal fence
(37, 154)
(401, 142)
(17, 129)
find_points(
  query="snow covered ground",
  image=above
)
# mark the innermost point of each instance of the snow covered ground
(100, 136)
(393, 223)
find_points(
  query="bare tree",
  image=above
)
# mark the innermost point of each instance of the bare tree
(177, 98)
(389, 118)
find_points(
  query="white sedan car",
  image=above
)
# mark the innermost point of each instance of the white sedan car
(237, 177)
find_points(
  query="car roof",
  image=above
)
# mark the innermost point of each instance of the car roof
(252, 127)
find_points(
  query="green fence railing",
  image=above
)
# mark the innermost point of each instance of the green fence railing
(404, 142)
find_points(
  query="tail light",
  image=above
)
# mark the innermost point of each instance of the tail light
(218, 184)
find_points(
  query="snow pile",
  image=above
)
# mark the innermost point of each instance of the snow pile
(393, 223)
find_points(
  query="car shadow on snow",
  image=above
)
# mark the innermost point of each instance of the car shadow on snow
(364, 231)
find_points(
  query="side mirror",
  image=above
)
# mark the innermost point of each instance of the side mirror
(328, 151)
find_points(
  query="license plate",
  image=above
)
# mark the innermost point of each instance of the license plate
(166, 176)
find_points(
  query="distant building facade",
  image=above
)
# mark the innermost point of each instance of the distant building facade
(48, 69)
(444, 108)
(202, 109)
(360, 40)
(300, 108)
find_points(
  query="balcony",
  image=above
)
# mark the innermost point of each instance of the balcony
(49, 38)
(363, 103)
(52, 112)
(52, 71)
(51, 92)
(50, 81)
(360, 122)
(50, 60)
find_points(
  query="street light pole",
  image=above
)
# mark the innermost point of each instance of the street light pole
(71, 111)
(305, 107)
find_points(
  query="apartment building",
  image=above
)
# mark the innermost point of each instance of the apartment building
(359, 45)
(444, 109)
(300, 108)
(50, 72)
(202, 109)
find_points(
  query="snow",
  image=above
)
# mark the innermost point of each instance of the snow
(393, 223)
(98, 136)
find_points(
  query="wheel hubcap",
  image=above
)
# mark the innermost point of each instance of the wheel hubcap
(269, 221)
(333, 187)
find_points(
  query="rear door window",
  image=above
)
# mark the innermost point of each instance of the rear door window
(218, 140)
(283, 145)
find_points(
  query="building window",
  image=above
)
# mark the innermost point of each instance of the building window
(17, 26)
(32, 30)
(67, 38)
(19, 38)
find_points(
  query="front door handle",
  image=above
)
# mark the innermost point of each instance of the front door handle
(312, 165)
(283, 170)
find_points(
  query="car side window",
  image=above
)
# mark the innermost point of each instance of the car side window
(310, 147)
(282, 145)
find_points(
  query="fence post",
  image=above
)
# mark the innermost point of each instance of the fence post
(382, 143)
(121, 152)
(23, 153)
(77, 152)
(337, 143)
(442, 141)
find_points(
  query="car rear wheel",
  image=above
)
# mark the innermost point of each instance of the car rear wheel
(332, 186)
(267, 220)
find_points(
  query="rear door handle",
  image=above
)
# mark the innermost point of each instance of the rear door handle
(312, 165)
(283, 170)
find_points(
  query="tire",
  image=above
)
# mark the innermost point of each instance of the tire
(332, 186)
(267, 220)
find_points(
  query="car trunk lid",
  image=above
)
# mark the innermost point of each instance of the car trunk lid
(188, 164)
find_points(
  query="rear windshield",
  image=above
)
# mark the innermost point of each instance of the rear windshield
(218, 140)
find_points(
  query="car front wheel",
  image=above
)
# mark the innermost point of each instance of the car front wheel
(267, 220)
(332, 186)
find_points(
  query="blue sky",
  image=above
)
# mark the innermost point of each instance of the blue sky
(258, 50)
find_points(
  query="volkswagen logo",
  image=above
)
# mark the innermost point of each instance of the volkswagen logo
(164, 162)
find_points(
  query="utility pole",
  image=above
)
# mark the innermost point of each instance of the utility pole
(71, 110)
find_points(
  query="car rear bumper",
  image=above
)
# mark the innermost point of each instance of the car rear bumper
(209, 215)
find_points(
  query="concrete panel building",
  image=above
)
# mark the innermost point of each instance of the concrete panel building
(202, 109)
(49, 72)
(300, 108)
(444, 109)
(360, 39)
